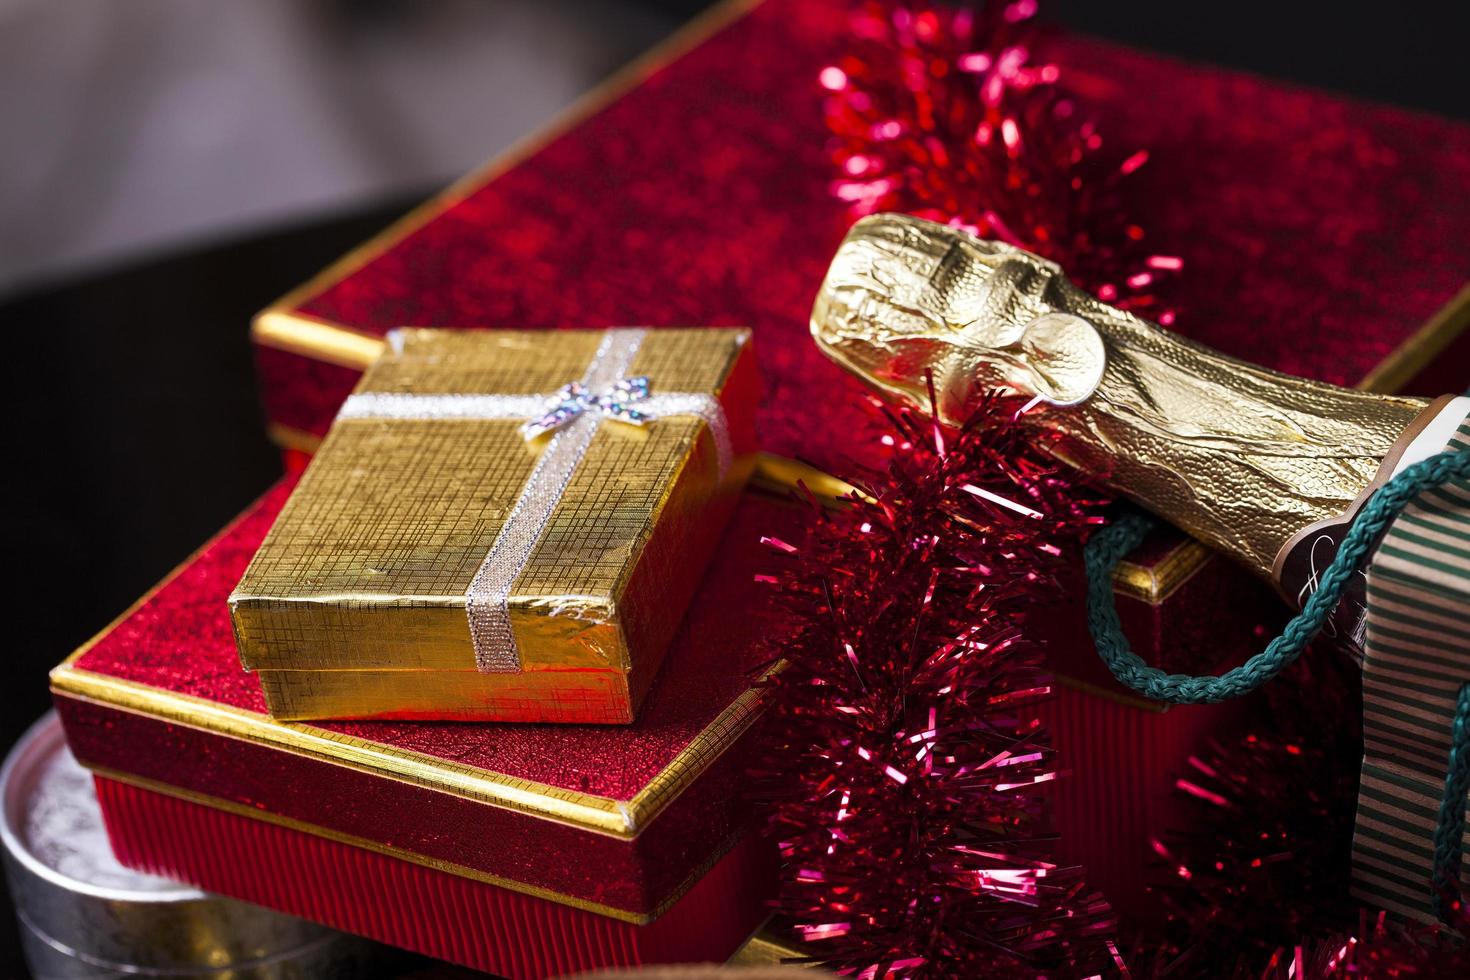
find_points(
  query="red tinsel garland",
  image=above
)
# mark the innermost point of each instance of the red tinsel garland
(1256, 884)
(1379, 948)
(904, 757)
(1261, 864)
(905, 748)
(949, 113)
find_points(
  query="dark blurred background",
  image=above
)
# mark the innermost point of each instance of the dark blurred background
(168, 167)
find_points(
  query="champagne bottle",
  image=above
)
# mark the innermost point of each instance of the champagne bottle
(1266, 467)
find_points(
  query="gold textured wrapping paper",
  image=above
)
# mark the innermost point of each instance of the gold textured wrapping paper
(361, 600)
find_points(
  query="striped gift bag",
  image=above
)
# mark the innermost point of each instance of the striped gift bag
(1417, 658)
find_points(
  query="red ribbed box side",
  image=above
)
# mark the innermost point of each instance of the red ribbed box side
(473, 923)
(1120, 761)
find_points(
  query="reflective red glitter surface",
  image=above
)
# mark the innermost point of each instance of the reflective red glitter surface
(1318, 233)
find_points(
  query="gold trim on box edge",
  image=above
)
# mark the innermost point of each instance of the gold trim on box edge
(317, 339)
(1413, 354)
(288, 437)
(447, 867)
(585, 811)
(771, 947)
(1155, 583)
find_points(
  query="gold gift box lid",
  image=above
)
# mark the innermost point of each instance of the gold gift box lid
(367, 597)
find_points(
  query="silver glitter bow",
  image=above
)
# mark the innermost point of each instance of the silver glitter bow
(574, 400)
(571, 415)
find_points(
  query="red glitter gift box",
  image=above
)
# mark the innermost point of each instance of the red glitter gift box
(525, 850)
(697, 187)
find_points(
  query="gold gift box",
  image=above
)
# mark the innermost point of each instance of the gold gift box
(356, 604)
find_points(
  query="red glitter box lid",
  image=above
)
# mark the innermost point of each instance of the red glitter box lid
(1320, 236)
(618, 820)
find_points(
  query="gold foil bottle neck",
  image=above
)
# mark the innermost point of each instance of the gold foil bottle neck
(1240, 456)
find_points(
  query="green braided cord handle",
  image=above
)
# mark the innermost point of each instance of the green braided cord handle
(1108, 546)
(1449, 830)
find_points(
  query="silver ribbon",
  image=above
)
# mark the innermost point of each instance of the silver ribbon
(572, 415)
